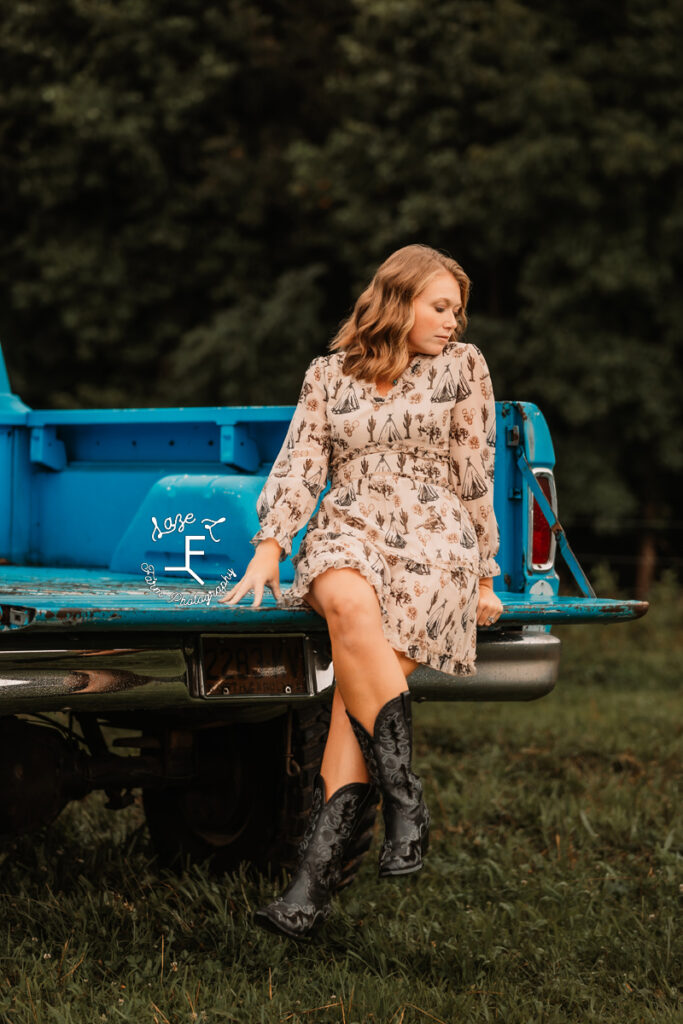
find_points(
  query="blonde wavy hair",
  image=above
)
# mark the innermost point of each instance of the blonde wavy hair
(375, 335)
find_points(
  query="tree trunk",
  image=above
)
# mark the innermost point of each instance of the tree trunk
(647, 556)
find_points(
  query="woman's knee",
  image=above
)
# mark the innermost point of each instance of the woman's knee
(349, 602)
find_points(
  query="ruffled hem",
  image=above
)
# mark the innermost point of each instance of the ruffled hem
(443, 662)
(303, 577)
(425, 654)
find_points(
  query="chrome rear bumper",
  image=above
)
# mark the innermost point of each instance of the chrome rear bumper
(163, 673)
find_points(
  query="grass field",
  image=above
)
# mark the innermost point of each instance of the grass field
(550, 891)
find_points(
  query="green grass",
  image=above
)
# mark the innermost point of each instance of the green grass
(549, 894)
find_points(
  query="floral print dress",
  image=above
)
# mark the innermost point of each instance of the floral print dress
(410, 504)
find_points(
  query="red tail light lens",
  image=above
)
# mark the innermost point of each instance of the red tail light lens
(542, 535)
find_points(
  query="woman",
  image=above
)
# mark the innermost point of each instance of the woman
(398, 559)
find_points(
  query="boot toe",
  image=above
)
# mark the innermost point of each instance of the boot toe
(290, 919)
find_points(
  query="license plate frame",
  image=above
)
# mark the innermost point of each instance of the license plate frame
(261, 666)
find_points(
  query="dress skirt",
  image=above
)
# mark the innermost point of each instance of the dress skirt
(428, 612)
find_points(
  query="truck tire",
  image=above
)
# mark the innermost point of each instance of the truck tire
(244, 805)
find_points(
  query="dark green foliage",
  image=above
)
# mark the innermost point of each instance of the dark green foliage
(143, 187)
(192, 195)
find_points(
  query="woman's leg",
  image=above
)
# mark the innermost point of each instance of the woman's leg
(368, 672)
(373, 688)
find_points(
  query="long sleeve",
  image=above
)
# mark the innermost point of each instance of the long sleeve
(472, 447)
(299, 474)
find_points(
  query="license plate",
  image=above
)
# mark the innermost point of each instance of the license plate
(247, 665)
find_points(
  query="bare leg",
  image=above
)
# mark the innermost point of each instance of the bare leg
(342, 759)
(368, 673)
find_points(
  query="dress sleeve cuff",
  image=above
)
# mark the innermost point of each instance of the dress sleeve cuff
(488, 567)
(271, 532)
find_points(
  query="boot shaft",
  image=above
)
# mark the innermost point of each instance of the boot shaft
(388, 752)
(330, 828)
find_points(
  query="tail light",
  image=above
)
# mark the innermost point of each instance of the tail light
(542, 537)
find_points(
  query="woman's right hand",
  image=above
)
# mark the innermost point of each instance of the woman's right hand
(263, 570)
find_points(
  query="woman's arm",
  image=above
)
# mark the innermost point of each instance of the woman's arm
(299, 473)
(472, 448)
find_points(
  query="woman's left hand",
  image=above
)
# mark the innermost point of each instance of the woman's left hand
(490, 606)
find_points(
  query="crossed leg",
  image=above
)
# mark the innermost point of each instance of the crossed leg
(367, 669)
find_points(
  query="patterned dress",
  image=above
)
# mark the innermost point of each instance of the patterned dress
(410, 503)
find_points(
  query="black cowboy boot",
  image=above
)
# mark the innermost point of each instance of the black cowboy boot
(388, 754)
(332, 830)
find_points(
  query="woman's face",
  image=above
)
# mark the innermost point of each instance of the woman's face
(435, 309)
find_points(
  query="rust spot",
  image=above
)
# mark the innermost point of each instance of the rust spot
(72, 616)
(68, 613)
(633, 608)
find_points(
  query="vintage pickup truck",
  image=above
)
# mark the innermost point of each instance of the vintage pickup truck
(121, 671)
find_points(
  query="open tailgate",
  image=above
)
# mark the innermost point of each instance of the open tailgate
(56, 599)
